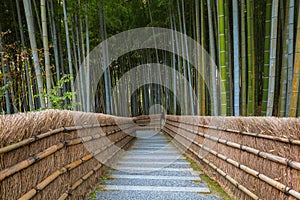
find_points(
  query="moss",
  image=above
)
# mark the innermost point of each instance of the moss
(100, 186)
(93, 195)
(214, 187)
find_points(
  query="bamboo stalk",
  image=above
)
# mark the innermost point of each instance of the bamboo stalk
(267, 42)
(265, 155)
(222, 173)
(257, 135)
(275, 184)
(296, 78)
(273, 65)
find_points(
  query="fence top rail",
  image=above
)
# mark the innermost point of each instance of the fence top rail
(285, 139)
(27, 141)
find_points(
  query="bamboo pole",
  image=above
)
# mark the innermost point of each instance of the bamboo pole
(267, 42)
(222, 56)
(79, 182)
(243, 61)
(49, 151)
(222, 173)
(265, 155)
(42, 185)
(296, 78)
(275, 184)
(52, 132)
(273, 65)
(257, 135)
(87, 175)
(33, 159)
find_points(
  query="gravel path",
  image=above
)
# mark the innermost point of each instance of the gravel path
(154, 169)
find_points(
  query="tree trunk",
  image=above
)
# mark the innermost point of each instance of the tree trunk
(251, 59)
(243, 61)
(46, 50)
(88, 81)
(296, 79)
(174, 88)
(31, 32)
(236, 52)
(69, 50)
(30, 96)
(290, 55)
(7, 102)
(215, 96)
(273, 50)
(192, 112)
(184, 92)
(55, 45)
(265, 75)
(80, 71)
(13, 100)
(37, 15)
(222, 56)
(105, 61)
(284, 67)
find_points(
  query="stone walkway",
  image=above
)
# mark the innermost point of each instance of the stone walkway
(154, 169)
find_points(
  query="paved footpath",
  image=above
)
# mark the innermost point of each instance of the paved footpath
(154, 169)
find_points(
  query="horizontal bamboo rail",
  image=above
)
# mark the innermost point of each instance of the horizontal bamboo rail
(49, 151)
(276, 184)
(222, 173)
(31, 193)
(31, 160)
(50, 133)
(256, 135)
(79, 182)
(262, 154)
(87, 175)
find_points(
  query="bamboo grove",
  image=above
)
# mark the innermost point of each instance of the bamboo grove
(254, 43)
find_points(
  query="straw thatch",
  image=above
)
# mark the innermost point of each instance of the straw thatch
(260, 153)
(43, 155)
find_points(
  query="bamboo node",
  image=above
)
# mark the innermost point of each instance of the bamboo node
(82, 159)
(287, 190)
(35, 137)
(289, 163)
(65, 130)
(94, 171)
(36, 158)
(259, 152)
(37, 190)
(65, 143)
(69, 192)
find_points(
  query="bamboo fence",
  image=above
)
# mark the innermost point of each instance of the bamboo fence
(243, 157)
(44, 152)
